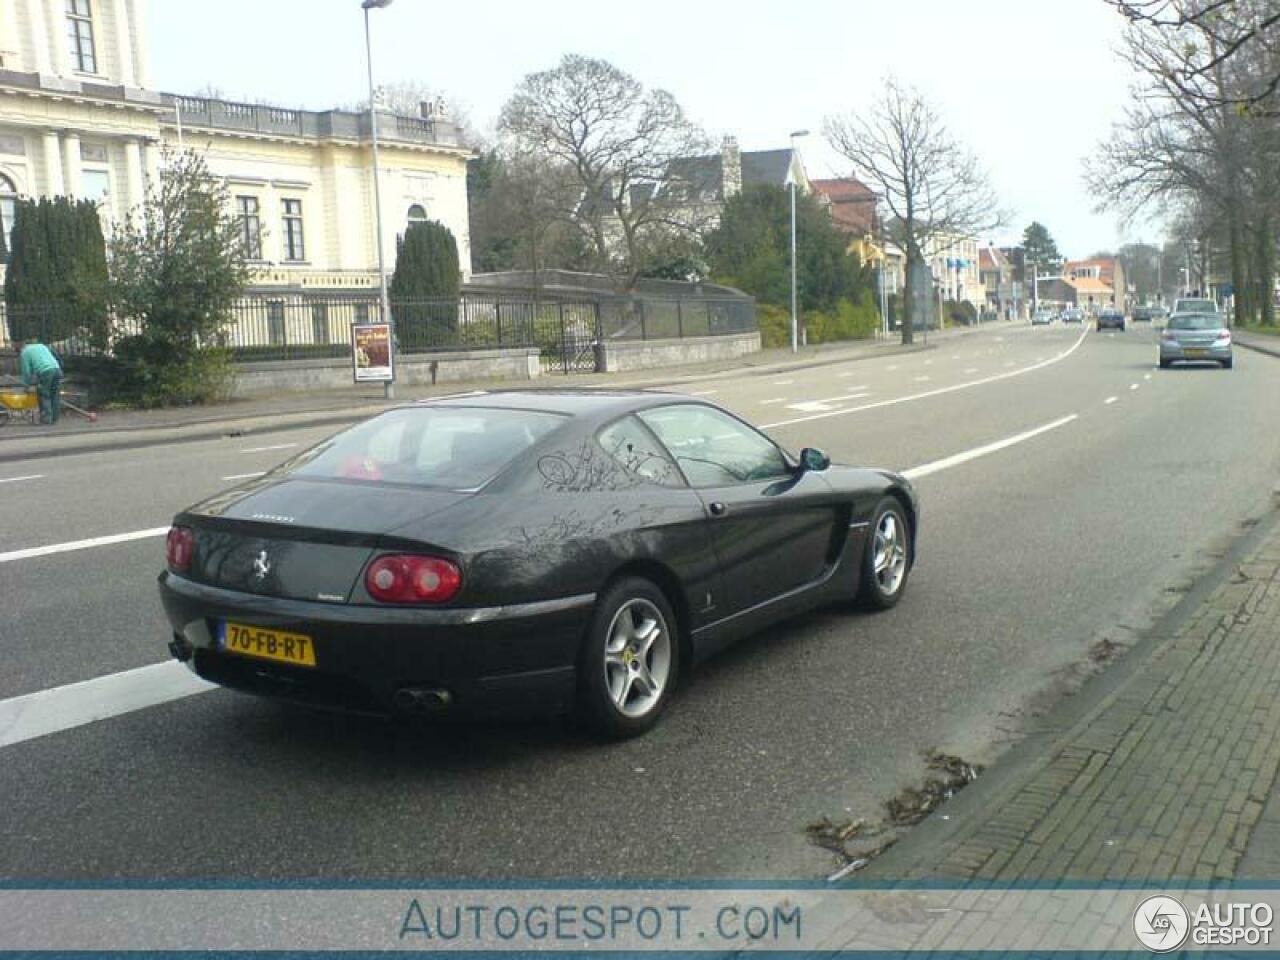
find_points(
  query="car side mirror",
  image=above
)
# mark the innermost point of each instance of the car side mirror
(812, 458)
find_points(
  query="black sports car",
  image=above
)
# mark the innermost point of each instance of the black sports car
(523, 552)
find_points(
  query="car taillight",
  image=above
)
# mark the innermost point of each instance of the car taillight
(178, 547)
(405, 578)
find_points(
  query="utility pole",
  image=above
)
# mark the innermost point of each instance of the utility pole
(388, 388)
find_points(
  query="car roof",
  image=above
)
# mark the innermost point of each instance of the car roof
(573, 402)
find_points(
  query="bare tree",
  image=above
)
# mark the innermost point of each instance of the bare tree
(1209, 36)
(620, 143)
(933, 187)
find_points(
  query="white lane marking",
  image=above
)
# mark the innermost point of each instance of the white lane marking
(703, 393)
(933, 393)
(971, 370)
(1134, 386)
(925, 379)
(1009, 363)
(892, 366)
(847, 373)
(33, 476)
(965, 456)
(765, 403)
(246, 476)
(928, 363)
(1146, 376)
(61, 708)
(274, 446)
(31, 552)
(1110, 400)
(955, 356)
(814, 406)
(783, 383)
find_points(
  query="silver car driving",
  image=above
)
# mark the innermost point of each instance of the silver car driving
(1195, 337)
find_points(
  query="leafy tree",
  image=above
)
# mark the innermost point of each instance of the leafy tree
(177, 268)
(751, 250)
(56, 284)
(424, 286)
(1040, 252)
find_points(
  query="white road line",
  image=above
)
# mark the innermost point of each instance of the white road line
(815, 406)
(971, 370)
(703, 393)
(1110, 400)
(892, 366)
(955, 356)
(783, 383)
(1146, 376)
(34, 476)
(1134, 386)
(765, 403)
(274, 446)
(246, 476)
(32, 552)
(61, 708)
(934, 393)
(955, 460)
(925, 379)
(847, 373)
(1009, 363)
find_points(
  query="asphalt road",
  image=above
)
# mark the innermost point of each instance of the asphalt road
(1029, 553)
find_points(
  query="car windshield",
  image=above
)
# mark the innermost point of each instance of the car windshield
(1195, 321)
(452, 447)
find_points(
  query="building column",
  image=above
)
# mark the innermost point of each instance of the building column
(133, 175)
(124, 43)
(151, 163)
(138, 30)
(38, 37)
(52, 165)
(56, 26)
(71, 165)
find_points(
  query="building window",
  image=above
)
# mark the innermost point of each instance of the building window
(95, 185)
(80, 36)
(250, 227)
(293, 245)
(8, 200)
(320, 323)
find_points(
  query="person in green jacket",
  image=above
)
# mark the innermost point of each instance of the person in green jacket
(40, 367)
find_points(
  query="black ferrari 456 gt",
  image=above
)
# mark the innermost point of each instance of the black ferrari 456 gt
(523, 552)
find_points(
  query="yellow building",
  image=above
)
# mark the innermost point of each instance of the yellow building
(78, 116)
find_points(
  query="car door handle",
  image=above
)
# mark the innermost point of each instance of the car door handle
(717, 508)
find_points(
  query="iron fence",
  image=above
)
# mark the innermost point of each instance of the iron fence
(266, 327)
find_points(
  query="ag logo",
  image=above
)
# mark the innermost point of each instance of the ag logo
(1161, 923)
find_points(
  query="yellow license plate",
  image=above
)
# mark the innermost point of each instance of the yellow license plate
(264, 644)
(1195, 352)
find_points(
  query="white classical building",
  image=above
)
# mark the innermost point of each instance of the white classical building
(79, 116)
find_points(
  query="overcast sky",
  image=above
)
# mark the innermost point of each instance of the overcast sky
(1030, 85)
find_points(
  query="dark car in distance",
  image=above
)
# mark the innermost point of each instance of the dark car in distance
(523, 552)
(1111, 319)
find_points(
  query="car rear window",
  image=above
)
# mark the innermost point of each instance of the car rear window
(1195, 321)
(1196, 306)
(457, 448)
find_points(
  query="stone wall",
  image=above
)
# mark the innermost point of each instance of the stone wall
(287, 376)
(622, 355)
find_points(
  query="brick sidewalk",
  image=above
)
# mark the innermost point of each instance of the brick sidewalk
(1171, 776)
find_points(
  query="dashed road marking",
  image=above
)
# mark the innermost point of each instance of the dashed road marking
(274, 446)
(246, 476)
(1111, 400)
(31, 553)
(33, 476)
(956, 459)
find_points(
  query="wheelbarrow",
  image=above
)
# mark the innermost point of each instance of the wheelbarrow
(18, 404)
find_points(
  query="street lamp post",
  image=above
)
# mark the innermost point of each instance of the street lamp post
(389, 390)
(791, 180)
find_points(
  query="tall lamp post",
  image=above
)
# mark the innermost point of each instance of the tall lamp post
(389, 390)
(791, 181)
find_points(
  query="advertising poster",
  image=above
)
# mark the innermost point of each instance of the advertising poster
(371, 352)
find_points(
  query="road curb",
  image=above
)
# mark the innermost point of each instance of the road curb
(1260, 347)
(926, 845)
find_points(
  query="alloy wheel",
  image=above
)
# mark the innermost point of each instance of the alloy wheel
(890, 553)
(637, 657)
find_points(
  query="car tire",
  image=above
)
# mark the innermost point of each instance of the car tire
(1164, 364)
(1226, 364)
(883, 579)
(630, 660)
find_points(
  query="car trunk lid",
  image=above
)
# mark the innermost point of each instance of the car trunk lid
(301, 539)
